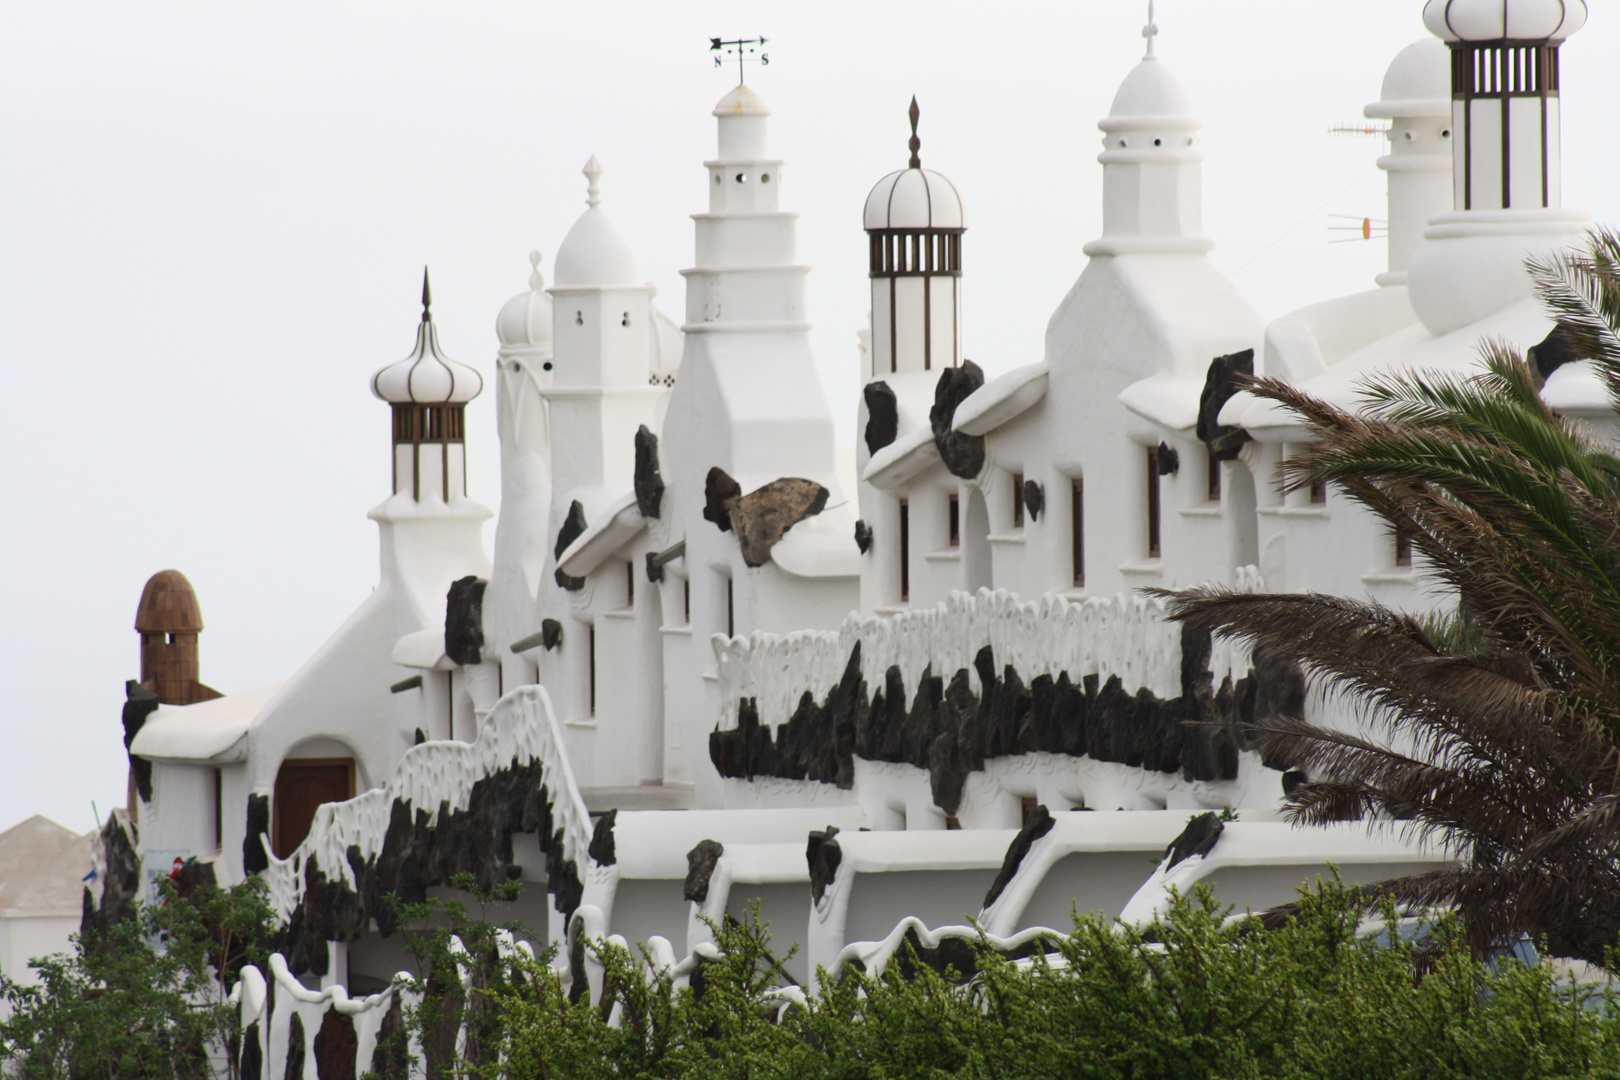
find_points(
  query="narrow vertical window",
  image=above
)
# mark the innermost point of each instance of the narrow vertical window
(219, 810)
(1153, 502)
(591, 643)
(956, 522)
(686, 600)
(1077, 530)
(731, 612)
(1318, 492)
(1018, 500)
(905, 550)
(1214, 486)
(630, 584)
(1403, 546)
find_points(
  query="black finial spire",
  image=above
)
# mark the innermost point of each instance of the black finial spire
(916, 143)
(427, 298)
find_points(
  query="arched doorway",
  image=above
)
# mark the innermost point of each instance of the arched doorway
(976, 543)
(303, 784)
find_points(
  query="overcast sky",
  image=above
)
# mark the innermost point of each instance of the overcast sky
(214, 217)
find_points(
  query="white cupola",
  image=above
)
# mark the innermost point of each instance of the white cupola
(914, 224)
(1416, 100)
(524, 324)
(428, 392)
(1504, 91)
(1152, 176)
(600, 303)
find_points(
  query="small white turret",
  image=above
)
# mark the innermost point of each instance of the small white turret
(1152, 166)
(428, 391)
(1416, 99)
(914, 224)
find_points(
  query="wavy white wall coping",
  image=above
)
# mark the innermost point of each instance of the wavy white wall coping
(522, 727)
(1103, 636)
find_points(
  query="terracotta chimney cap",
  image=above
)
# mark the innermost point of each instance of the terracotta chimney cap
(168, 604)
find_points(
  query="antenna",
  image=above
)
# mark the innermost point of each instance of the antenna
(1364, 228)
(743, 50)
(1365, 129)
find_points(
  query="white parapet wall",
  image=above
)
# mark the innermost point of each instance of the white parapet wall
(1124, 635)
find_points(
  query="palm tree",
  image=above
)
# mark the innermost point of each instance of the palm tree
(1493, 730)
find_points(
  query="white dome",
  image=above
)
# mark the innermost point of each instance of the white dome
(1418, 83)
(741, 101)
(914, 199)
(1150, 98)
(595, 254)
(427, 376)
(1494, 20)
(525, 320)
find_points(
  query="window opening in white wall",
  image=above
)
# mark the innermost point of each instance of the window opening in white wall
(905, 550)
(1153, 502)
(1077, 530)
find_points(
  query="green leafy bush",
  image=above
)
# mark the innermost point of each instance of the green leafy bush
(1196, 994)
(146, 1001)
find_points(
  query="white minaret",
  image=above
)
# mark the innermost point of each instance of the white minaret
(914, 227)
(1505, 159)
(1152, 166)
(600, 379)
(1416, 100)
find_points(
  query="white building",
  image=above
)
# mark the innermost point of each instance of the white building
(703, 643)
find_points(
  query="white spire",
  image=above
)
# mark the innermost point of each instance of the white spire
(1150, 31)
(593, 174)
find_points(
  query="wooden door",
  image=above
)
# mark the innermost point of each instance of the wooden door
(301, 786)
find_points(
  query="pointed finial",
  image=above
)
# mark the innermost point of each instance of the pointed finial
(537, 280)
(427, 297)
(916, 143)
(593, 173)
(1150, 31)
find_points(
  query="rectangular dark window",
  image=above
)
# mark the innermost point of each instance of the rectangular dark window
(1318, 492)
(905, 550)
(1214, 486)
(1153, 502)
(686, 600)
(731, 612)
(1018, 500)
(1403, 546)
(956, 522)
(219, 810)
(630, 584)
(1077, 530)
(590, 634)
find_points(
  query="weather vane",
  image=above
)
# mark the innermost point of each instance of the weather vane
(741, 50)
(1151, 30)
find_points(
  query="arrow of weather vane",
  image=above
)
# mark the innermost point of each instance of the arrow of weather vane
(742, 50)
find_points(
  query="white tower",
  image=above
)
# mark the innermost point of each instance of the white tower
(1416, 100)
(914, 226)
(523, 368)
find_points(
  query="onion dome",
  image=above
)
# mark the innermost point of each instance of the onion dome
(1418, 83)
(1497, 20)
(914, 197)
(427, 376)
(595, 254)
(168, 605)
(525, 320)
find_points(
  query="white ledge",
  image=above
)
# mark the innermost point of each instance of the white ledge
(619, 524)
(1001, 399)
